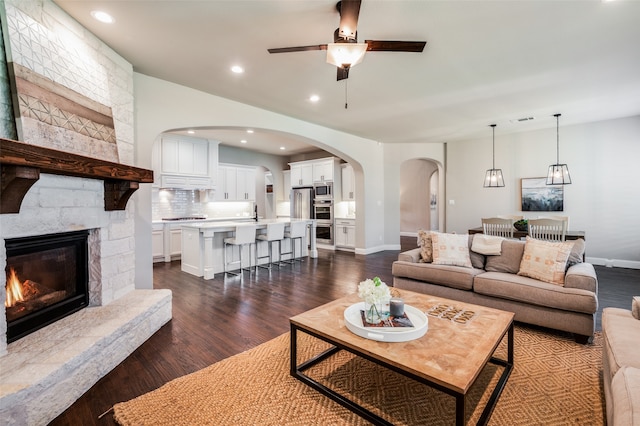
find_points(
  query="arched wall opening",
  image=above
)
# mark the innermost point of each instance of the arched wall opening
(419, 196)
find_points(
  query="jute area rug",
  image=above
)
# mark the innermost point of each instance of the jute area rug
(555, 381)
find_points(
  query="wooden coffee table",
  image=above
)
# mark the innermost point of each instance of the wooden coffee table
(449, 357)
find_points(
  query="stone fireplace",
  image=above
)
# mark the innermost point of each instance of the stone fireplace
(72, 111)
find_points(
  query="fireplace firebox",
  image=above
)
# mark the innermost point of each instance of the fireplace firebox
(47, 279)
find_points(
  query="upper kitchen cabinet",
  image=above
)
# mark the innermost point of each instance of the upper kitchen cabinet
(306, 173)
(348, 183)
(301, 174)
(186, 163)
(323, 170)
(236, 183)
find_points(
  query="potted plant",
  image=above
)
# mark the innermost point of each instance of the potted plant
(521, 225)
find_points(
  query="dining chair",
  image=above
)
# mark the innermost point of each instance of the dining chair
(244, 235)
(499, 227)
(513, 217)
(564, 218)
(547, 229)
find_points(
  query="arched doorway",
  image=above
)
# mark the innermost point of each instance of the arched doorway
(419, 198)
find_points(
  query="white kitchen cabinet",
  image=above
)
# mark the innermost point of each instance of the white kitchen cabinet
(345, 233)
(246, 184)
(186, 163)
(286, 177)
(301, 174)
(175, 243)
(236, 183)
(348, 183)
(157, 242)
(323, 171)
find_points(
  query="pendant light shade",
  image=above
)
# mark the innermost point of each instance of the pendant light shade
(558, 173)
(493, 178)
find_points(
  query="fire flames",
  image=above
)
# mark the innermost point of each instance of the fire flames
(14, 290)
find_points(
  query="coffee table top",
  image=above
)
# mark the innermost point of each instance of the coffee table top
(450, 354)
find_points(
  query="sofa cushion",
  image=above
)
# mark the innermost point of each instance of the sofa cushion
(545, 260)
(621, 333)
(535, 292)
(451, 249)
(625, 390)
(449, 276)
(426, 246)
(509, 259)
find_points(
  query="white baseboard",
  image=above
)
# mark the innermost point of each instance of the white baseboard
(614, 263)
(378, 249)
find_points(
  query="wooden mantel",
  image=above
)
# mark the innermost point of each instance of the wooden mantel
(22, 164)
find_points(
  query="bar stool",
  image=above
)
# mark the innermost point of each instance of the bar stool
(297, 231)
(245, 235)
(275, 232)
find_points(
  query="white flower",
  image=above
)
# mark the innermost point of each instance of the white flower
(373, 291)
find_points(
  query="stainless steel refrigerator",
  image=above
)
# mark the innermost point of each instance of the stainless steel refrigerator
(302, 203)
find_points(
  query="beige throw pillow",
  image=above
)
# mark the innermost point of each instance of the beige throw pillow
(425, 243)
(451, 249)
(509, 260)
(545, 260)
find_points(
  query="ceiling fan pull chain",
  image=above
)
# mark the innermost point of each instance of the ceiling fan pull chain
(346, 95)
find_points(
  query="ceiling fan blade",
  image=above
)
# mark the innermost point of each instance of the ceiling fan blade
(343, 73)
(298, 48)
(395, 46)
(349, 11)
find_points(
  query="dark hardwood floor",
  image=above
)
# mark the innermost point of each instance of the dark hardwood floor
(215, 319)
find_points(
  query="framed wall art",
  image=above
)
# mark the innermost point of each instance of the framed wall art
(537, 196)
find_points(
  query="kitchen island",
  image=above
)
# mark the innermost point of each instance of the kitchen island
(203, 245)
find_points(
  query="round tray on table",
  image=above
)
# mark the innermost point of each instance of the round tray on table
(353, 321)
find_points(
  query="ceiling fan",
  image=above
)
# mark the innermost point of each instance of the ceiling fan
(345, 52)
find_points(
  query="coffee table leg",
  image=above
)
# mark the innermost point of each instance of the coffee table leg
(460, 413)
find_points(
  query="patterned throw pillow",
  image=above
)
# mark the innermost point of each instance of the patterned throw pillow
(545, 260)
(424, 241)
(451, 249)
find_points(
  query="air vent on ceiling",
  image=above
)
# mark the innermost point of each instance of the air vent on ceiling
(522, 120)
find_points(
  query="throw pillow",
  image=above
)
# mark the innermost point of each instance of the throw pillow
(477, 259)
(425, 243)
(577, 252)
(509, 259)
(451, 249)
(545, 260)
(635, 307)
(487, 244)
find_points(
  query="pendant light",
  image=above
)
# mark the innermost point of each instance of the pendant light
(493, 177)
(558, 173)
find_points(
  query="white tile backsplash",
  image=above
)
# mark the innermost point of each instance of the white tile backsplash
(169, 203)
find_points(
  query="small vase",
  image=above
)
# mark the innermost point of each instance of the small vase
(372, 312)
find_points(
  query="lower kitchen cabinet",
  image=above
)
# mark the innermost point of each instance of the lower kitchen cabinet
(166, 242)
(345, 233)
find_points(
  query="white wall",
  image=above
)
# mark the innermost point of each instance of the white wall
(603, 200)
(161, 105)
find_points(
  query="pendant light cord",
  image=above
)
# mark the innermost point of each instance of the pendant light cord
(493, 127)
(346, 94)
(557, 138)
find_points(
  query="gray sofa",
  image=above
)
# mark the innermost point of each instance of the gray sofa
(621, 364)
(493, 282)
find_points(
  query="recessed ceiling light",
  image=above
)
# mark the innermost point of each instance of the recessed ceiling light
(102, 16)
(249, 131)
(243, 141)
(314, 98)
(237, 69)
(282, 148)
(190, 132)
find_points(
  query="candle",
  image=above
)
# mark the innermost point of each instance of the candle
(396, 307)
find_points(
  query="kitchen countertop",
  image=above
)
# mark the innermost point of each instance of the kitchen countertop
(229, 225)
(209, 219)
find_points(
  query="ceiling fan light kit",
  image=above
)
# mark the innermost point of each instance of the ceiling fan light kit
(558, 174)
(345, 55)
(493, 178)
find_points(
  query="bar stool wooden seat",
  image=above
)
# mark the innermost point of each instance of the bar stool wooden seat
(245, 235)
(275, 232)
(297, 231)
